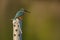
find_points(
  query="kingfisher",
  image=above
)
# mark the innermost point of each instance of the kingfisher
(17, 24)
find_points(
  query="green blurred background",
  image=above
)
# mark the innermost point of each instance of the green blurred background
(43, 23)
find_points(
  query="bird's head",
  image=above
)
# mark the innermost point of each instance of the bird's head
(20, 13)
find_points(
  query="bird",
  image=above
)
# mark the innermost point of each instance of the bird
(21, 12)
(17, 24)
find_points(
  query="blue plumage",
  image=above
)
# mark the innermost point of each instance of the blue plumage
(19, 13)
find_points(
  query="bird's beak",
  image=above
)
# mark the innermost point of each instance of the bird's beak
(27, 11)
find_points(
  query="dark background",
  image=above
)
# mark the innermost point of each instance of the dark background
(43, 23)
